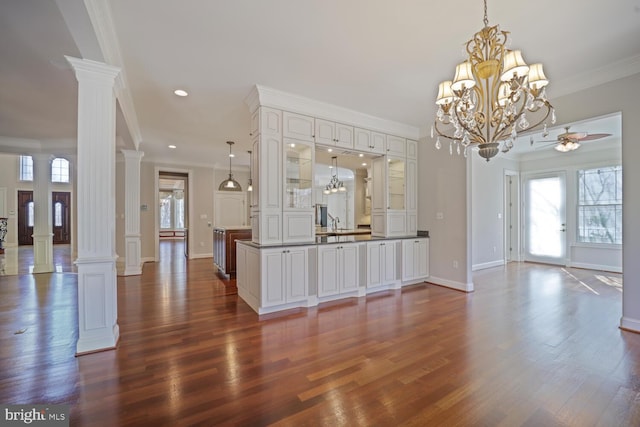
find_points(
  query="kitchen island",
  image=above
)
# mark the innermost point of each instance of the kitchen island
(224, 248)
(272, 278)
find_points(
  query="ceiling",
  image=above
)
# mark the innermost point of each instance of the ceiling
(374, 56)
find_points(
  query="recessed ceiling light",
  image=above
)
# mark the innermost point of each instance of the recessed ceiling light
(360, 155)
(330, 150)
(364, 164)
(292, 145)
(180, 92)
(172, 146)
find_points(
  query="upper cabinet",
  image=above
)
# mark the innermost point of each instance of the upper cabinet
(412, 149)
(331, 133)
(298, 126)
(266, 121)
(366, 140)
(396, 146)
(396, 180)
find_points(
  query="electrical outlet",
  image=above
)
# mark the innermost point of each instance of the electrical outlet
(439, 215)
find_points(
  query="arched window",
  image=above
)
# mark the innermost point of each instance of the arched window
(60, 170)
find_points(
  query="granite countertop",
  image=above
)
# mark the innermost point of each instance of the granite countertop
(235, 227)
(327, 240)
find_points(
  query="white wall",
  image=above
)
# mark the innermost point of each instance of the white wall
(444, 187)
(487, 209)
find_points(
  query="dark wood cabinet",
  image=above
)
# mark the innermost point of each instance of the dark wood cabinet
(224, 248)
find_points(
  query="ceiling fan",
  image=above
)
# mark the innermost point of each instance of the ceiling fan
(569, 141)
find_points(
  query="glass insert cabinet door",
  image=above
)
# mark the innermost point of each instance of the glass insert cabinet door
(298, 163)
(396, 174)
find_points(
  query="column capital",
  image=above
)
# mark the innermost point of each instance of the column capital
(87, 67)
(132, 154)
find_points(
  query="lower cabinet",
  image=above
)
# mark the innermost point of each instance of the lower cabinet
(381, 264)
(338, 269)
(273, 279)
(415, 259)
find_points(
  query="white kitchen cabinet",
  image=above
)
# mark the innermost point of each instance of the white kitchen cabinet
(331, 133)
(366, 140)
(415, 259)
(396, 146)
(381, 264)
(337, 269)
(284, 275)
(298, 126)
(298, 212)
(266, 120)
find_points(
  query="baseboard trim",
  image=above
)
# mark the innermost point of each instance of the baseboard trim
(600, 267)
(484, 265)
(631, 325)
(198, 256)
(459, 286)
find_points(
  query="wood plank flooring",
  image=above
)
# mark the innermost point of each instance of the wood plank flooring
(534, 345)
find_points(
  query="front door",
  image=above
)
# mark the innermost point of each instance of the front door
(25, 217)
(61, 204)
(61, 207)
(545, 221)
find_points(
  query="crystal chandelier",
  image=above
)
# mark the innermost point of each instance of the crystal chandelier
(492, 93)
(335, 184)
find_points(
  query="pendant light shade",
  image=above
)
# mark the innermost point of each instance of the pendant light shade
(230, 184)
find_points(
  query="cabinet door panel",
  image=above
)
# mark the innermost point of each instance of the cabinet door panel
(362, 139)
(271, 173)
(325, 132)
(270, 121)
(273, 276)
(344, 136)
(349, 268)
(374, 265)
(422, 261)
(389, 254)
(408, 259)
(412, 149)
(298, 126)
(396, 146)
(327, 271)
(378, 142)
(297, 279)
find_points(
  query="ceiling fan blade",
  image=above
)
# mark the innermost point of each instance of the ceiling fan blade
(572, 135)
(593, 136)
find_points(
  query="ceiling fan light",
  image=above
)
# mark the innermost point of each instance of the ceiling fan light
(464, 77)
(561, 148)
(513, 66)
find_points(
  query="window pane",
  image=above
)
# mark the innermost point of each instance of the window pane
(30, 214)
(165, 209)
(26, 168)
(57, 214)
(179, 212)
(60, 170)
(600, 205)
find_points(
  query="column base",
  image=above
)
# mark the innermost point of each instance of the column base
(42, 253)
(98, 329)
(132, 262)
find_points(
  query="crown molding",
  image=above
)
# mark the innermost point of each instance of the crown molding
(269, 97)
(102, 21)
(588, 79)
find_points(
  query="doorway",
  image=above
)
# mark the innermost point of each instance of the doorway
(545, 218)
(61, 212)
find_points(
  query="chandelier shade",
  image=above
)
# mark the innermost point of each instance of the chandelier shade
(230, 184)
(494, 95)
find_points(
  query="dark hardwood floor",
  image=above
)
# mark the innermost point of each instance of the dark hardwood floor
(534, 345)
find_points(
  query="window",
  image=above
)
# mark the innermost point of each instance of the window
(26, 168)
(30, 215)
(600, 205)
(57, 214)
(60, 170)
(172, 209)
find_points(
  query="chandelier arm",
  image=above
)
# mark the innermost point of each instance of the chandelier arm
(442, 134)
(477, 136)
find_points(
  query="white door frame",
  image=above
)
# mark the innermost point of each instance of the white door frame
(189, 218)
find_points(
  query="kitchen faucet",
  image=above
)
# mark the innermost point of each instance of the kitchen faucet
(334, 221)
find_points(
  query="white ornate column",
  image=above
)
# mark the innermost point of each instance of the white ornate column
(42, 221)
(96, 207)
(133, 266)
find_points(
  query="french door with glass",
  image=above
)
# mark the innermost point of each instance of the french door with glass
(545, 218)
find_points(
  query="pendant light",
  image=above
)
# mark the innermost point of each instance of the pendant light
(250, 185)
(335, 184)
(230, 184)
